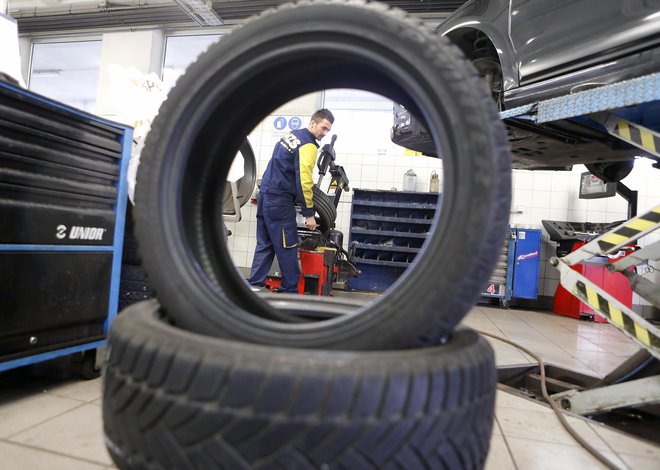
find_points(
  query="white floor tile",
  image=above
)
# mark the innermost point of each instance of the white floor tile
(499, 457)
(623, 443)
(83, 390)
(601, 362)
(505, 399)
(21, 457)
(533, 455)
(23, 413)
(506, 354)
(568, 340)
(640, 463)
(78, 433)
(58, 424)
(543, 427)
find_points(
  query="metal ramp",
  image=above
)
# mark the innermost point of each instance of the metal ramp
(589, 102)
(631, 323)
(642, 391)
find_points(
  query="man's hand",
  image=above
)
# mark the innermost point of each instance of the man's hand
(310, 222)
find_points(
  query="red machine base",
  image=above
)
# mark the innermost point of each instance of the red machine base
(317, 271)
(615, 284)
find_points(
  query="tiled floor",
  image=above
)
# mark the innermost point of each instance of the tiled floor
(54, 422)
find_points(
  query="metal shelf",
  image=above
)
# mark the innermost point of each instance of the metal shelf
(387, 233)
(377, 250)
(376, 262)
(371, 246)
(396, 205)
(381, 218)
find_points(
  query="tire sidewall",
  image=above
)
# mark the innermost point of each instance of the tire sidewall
(193, 297)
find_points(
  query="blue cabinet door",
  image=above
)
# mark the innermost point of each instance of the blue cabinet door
(526, 263)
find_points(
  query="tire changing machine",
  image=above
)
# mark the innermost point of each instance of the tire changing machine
(62, 209)
(629, 396)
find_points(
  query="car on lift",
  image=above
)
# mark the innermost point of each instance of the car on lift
(533, 50)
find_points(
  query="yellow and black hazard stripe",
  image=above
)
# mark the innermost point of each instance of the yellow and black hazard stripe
(630, 230)
(636, 135)
(647, 336)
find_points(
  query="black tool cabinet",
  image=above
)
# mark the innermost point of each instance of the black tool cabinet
(62, 209)
(387, 231)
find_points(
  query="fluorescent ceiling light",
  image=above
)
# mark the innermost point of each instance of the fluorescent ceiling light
(201, 12)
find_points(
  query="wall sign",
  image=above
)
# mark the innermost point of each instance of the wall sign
(279, 123)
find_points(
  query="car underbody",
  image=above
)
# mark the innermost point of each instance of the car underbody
(556, 145)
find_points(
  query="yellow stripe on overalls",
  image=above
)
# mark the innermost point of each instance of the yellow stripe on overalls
(284, 241)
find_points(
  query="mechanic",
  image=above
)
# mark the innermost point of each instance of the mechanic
(287, 179)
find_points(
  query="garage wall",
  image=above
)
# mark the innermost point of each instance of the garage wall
(373, 162)
(539, 195)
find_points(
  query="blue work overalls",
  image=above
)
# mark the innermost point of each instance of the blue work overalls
(287, 178)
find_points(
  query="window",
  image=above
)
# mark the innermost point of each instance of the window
(362, 121)
(67, 72)
(180, 52)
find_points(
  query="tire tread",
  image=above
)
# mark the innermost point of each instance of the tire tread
(158, 422)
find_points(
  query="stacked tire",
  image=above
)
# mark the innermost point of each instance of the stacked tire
(211, 375)
(176, 399)
(134, 285)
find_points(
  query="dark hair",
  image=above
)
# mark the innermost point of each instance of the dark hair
(321, 114)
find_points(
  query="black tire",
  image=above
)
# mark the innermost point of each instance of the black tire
(131, 272)
(133, 286)
(175, 399)
(130, 252)
(327, 212)
(321, 46)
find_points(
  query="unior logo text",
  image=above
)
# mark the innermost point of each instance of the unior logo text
(77, 232)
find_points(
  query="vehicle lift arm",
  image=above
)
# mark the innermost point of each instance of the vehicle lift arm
(598, 104)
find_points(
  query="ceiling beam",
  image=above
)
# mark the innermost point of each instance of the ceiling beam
(229, 12)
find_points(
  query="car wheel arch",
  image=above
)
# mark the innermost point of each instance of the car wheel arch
(464, 38)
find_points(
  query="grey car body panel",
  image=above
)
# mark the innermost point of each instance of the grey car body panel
(613, 71)
(553, 37)
(543, 39)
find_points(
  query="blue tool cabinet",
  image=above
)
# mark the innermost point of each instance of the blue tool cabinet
(62, 210)
(387, 231)
(516, 273)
